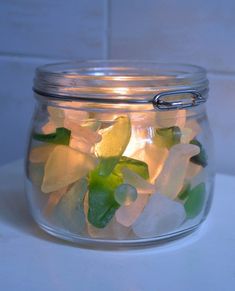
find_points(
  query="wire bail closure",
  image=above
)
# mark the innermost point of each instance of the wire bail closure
(195, 99)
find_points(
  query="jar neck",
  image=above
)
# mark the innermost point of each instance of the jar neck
(95, 107)
(118, 82)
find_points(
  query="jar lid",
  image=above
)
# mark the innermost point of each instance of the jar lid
(166, 86)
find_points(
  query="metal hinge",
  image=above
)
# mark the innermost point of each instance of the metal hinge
(195, 99)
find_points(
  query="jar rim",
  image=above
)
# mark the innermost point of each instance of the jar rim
(117, 80)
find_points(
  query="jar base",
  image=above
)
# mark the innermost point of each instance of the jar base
(107, 244)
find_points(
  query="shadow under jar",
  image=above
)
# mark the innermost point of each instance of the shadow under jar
(120, 153)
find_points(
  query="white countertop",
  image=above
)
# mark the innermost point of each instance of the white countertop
(32, 260)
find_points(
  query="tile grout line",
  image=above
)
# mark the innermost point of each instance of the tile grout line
(106, 54)
(7, 55)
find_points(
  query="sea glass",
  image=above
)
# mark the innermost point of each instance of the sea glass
(127, 214)
(114, 142)
(170, 118)
(122, 176)
(125, 194)
(40, 154)
(65, 166)
(132, 178)
(160, 216)
(171, 179)
(70, 210)
(54, 199)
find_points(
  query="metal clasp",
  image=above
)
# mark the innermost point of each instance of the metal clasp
(195, 99)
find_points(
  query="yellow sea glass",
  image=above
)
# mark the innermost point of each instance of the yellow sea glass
(65, 166)
(115, 138)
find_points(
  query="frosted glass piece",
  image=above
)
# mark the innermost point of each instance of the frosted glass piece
(171, 118)
(65, 166)
(171, 179)
(127, 215)
(155, 158)
(142, 186)
(160, 216)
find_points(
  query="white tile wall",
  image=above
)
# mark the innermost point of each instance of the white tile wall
(36, 32)
(16, 108)
(196, 31)
(55, 28)
(221, 110)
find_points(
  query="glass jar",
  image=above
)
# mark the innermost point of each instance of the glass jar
(120, 153)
